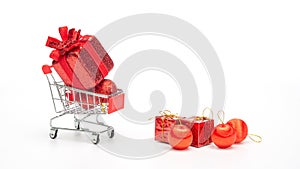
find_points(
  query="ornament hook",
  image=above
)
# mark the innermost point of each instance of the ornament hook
(255, 138)
(221, 114)
(210, 112)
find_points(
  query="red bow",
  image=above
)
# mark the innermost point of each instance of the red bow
(72, 41)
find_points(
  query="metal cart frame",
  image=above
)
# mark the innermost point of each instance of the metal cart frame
(69, 100)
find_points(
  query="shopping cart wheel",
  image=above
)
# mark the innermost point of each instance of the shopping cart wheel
(95, 138)
(111, 133)
(77, 124)
(53, 133)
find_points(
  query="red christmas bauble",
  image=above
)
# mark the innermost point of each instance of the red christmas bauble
(241, 129)
(223, 136)
(180, 137)
(106, 87)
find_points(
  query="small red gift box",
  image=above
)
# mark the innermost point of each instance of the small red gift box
(163, 125)
(202, 128)
(80, 61)
(115, 103)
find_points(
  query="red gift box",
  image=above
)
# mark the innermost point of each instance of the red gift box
(105, 94)
(80, 61)
(163, 125)
(202, 128)
(114, 102)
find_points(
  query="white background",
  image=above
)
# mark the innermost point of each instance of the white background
(257, 43)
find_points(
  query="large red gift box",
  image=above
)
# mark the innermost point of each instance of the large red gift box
(80, 61)
(202, 128)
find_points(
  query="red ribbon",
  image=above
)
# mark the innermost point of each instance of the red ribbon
(71, 41)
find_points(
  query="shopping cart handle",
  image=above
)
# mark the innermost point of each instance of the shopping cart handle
(46, 69)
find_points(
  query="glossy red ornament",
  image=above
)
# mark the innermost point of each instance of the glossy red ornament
(241, 129)
(180, 137)
(106, 87)
(223, 136)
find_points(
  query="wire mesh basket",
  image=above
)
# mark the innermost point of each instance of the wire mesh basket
(68, 100)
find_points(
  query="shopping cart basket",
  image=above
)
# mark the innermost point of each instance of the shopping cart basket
(82, 104)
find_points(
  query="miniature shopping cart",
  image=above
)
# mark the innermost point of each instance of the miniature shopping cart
(82, 105)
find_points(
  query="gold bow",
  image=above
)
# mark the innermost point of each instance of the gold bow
(166, 114)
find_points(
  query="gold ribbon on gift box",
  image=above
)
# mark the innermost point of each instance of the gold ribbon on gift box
(166, 114)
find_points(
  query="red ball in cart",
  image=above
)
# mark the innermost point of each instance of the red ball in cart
(106, 87)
